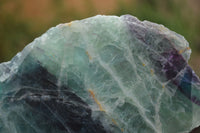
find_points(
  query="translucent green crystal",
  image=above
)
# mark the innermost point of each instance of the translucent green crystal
(104, 74)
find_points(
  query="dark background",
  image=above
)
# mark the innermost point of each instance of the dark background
(23, 20)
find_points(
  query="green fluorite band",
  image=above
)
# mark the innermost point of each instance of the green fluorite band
(100, 75)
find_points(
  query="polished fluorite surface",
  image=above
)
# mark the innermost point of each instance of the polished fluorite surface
(104, 74)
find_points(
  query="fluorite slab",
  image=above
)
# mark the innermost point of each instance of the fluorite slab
(104, 74)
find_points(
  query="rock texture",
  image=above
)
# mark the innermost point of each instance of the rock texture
(104, 74)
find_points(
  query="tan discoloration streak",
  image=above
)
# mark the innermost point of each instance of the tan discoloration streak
(89, 56)
(96, 101)
(183, 50)
(152, 72)
(101, 108)
(68, 24)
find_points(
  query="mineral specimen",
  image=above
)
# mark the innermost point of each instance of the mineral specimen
(104, 74)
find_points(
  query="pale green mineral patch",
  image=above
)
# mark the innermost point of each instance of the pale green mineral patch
(104, 74)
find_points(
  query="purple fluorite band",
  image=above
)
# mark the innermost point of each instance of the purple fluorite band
(168, 63)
